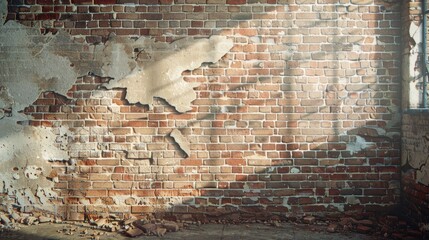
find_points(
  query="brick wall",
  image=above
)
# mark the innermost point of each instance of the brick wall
(300, 116)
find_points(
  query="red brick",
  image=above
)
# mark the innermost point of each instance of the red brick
(86, 2)
(104, 1)
(235, 1)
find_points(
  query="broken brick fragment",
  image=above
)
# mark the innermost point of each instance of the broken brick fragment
(170, 226)
(134, 232)
(363, 229)
(160, 232)
(148, 228)
(333, 227)
(309, 219)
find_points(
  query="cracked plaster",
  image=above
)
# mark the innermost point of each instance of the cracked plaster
(415, 141)
(32, 63)
(181, 141)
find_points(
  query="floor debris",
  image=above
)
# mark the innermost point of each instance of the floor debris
(384, 227)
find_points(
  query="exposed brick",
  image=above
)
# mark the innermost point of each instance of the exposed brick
(296, 92)
(104, 1)
(82, 1)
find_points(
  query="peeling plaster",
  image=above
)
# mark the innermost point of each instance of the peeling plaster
(28, 67)
(24, 167)
(358, 145)
(117, 56)
(415, 153)
(181, 141)
(162, 75)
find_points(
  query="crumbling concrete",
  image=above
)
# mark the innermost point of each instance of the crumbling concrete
(161, 75)
(117, 54)
(28, 68)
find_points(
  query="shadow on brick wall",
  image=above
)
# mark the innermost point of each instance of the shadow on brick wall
(295, 118)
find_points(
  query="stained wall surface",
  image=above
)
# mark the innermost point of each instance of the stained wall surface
(415, 132)
(191, 106)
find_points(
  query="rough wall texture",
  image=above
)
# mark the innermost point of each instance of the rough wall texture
(300, 115)
(415, 132)
(415, 165)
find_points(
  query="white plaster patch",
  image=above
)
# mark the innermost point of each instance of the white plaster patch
(162, 75)
(181, 141)
(422, 175)
(359, 145)
(294, 170)
(255, 199)
(285, 203)
(338, 206)
(26, 73)
(246, 187)
(411, 74)
(352, 200)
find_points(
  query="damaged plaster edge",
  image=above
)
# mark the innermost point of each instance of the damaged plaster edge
(162, 73)
(37, 71)
(181, 141)
(411, 76)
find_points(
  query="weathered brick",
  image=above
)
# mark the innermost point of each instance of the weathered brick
(295, 89)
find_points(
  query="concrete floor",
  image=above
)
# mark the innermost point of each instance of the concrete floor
(284, 231)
